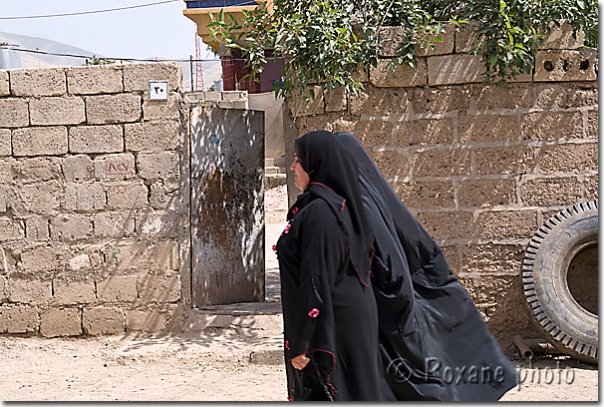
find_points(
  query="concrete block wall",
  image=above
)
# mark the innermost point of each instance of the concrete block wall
(91, 200)
(481, 166)
(224, 100)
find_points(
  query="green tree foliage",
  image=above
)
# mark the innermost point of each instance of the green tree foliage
(326, 41)
(97, 61)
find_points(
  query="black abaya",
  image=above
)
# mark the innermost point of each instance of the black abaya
(433, 340)
(329, 307)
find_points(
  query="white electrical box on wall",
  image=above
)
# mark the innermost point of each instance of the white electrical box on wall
(158, 90)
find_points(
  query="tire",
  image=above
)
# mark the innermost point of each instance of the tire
(562, 321)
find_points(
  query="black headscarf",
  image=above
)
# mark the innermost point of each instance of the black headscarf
(334, 177)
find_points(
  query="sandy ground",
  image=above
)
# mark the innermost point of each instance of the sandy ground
(212, 366)
(194, 368)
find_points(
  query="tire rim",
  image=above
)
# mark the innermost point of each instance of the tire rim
(569, 259)
(565, 294)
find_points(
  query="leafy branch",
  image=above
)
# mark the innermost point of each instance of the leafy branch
(327, 41)
(97, 61)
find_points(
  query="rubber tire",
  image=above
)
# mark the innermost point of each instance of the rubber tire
(562, 321)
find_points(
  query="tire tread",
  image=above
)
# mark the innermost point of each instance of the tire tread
(552, 332)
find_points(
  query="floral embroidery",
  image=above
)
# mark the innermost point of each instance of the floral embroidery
(294, 210)
(290, 398)
(286, 230)
(313, 313)
(287, 344)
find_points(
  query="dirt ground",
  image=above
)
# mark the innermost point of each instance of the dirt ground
(211, 366)
(196, 368)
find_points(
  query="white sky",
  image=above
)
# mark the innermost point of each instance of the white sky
(155, 31)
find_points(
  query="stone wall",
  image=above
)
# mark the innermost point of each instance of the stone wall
(94, 180)
(481, 166)
(91, 197)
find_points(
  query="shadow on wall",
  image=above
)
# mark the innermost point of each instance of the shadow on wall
(144, 276)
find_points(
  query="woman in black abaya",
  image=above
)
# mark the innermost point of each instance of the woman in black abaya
(329, 308)
(433, 340)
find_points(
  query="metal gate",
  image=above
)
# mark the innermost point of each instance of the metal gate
(227, 205)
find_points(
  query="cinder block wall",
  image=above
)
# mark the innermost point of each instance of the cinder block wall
(481, 166)
(92, 196)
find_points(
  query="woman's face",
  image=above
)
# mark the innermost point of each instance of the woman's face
(301, 177)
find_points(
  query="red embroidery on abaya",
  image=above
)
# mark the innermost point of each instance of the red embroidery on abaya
(313, 313)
